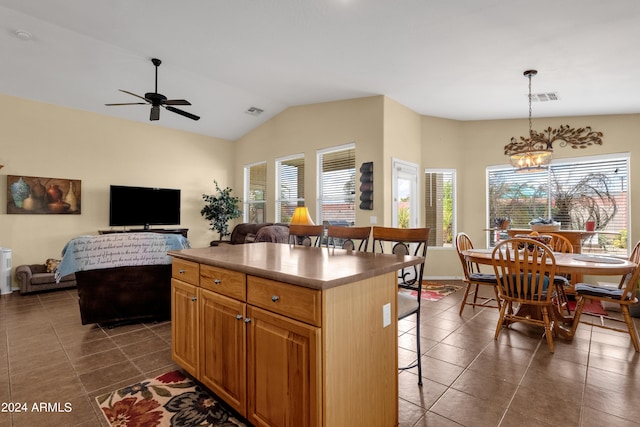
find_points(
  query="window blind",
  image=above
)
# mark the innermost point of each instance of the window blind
(337, 185)
(440, 206)
(255, 193)
(290, 187)
(571, 191)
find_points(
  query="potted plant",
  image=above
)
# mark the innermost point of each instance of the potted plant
(219, 209)
(501, 222)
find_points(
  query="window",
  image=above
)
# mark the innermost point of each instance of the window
(289, 186)
(572, 192)
(337, 184)
(439, 204)
(255, 189)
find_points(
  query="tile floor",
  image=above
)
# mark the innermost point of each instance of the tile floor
(470, 379)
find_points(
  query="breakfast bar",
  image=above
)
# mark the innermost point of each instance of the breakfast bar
(290, 335)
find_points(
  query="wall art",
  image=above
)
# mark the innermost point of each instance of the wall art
(39, 195)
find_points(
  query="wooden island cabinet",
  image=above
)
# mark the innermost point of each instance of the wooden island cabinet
(289, 335)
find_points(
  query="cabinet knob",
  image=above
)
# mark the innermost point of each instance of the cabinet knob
(182, 271)
(275, 298)
(239, 316)
(194, 299)
(217, 281)
(247, 320)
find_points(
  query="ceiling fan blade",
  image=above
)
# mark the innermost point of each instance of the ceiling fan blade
(131, 93)
(176, 102)
(155, 113)
(128, 103)
(183, 113)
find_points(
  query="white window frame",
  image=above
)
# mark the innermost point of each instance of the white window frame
(319, 186)
(247, 202)
(297, 201)
(435, 234)
(624, 157)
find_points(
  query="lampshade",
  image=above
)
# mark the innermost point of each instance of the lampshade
(301, 216)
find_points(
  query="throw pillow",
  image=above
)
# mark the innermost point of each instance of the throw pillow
(52, 265)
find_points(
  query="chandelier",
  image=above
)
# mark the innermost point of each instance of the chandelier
(534, 153)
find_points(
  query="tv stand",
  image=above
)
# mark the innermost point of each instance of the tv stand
(182, 231)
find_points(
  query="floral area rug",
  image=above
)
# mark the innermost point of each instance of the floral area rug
(432, 291)
(590, 307)
(172, 399)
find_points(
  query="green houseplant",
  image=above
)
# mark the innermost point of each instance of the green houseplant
(219, 209)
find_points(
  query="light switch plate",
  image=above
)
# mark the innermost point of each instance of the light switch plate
(386, 315)
(373, 219)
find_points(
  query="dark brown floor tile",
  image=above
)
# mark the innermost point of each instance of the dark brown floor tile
(26, 361)
(558, 367)
(485, 387)
(408, 413)
(543, 407)
(423, 396)
(618, 383)
(508, 372)
(76, 351)
(64, 412)
(151, 362)
(467, 410)
(542, 381)
(595, 418)
(439, 371)
(451, 354)
(133, 337)
(108, 376)
(143, 347)
(513, 418)
(50, 388)
(609, 402)
(98, 360)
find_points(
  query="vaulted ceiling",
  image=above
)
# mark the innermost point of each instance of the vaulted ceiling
(460, 59)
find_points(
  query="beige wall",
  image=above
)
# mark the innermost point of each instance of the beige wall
(308, 128)
(50, 141)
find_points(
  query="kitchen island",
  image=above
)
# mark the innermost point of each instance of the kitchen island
(290, 335)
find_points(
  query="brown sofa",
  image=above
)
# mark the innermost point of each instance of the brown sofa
(262, 232)
(35, 278)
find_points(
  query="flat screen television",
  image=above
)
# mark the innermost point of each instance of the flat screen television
(143, 206)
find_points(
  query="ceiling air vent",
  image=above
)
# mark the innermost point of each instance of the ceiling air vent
(254, 111)
(543, 97)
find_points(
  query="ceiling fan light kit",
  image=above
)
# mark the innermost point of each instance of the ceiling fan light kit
(157, 100)
(534, 153)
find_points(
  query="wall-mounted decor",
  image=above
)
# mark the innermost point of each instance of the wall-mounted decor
(38, 195)
(366, 186)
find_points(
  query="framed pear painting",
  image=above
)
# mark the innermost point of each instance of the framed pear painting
(38, 195)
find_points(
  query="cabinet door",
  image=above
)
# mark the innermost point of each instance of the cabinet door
(223, 356)
(184, 325)
(284, 369)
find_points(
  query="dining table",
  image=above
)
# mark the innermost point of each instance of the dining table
(567, 263)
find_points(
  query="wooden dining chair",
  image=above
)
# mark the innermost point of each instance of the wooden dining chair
(347, 237)
(524, 270)
(306, 235)
(474, 278)
(406, 241)
(559, 243)
(624, 295)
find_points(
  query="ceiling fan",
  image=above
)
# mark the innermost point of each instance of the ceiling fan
(157, 100)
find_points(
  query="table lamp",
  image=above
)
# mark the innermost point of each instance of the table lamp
(301, 216)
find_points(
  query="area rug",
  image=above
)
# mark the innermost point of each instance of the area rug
(172, 399)
(592, 307)
(432, 291)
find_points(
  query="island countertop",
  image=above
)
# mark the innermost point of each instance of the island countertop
(316, 268)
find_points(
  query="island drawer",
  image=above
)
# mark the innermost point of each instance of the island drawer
(296, 302)
(226, 282)
(187, 271)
